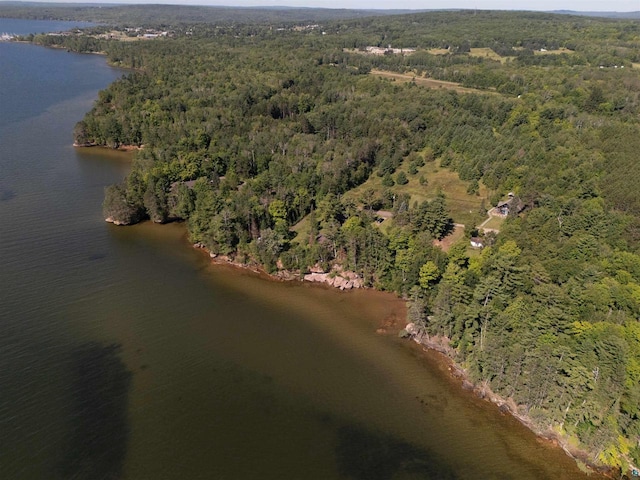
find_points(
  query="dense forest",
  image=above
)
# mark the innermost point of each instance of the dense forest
(281, 145)
(172, 15)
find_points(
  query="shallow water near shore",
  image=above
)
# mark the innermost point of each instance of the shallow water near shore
(125, 354)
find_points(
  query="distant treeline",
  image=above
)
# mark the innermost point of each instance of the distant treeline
(175, 15)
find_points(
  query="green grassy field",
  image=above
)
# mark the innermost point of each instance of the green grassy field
(464, 208)
(487, 53)
(553, 52)
(302, 230)
(495, 223)
(425, 82)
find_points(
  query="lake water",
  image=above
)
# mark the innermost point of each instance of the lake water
(124, 354)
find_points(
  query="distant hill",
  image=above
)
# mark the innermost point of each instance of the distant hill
(115, 13)
(120, 13)
(627, 15)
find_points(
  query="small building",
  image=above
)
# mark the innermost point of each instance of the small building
(477, 242)
(503, 208)
(512, 206)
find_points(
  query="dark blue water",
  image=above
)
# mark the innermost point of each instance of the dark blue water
(125, 355)
(16, 26)
(30, 72)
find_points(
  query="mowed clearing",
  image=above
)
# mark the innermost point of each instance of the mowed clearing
(425, 82)
(488, 53)
(553, 52)
(465, 208)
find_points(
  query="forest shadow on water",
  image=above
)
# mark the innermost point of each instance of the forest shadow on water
(363, 454)
(96, 446)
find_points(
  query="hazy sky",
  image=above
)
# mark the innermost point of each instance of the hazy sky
(582, 5)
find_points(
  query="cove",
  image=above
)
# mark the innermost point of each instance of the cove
(125, 354)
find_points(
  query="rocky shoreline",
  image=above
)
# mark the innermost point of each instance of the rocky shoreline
(336, 277)
(119, 148)
(114, 221)
(506, 406)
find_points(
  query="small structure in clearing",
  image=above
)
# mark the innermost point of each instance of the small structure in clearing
(477, 242)
(512, 206)
(375, 50)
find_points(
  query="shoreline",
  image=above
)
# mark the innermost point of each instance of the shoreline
(438, 348)
(121, 148)
(506, 406)
(336, 277)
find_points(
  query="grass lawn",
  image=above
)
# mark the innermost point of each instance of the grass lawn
(302, 230)
(464, 208)
(473, 252)
(495, 223)
(487, 53)
(553, 52)
(446, 243)
(120, 36)
(425, 82)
